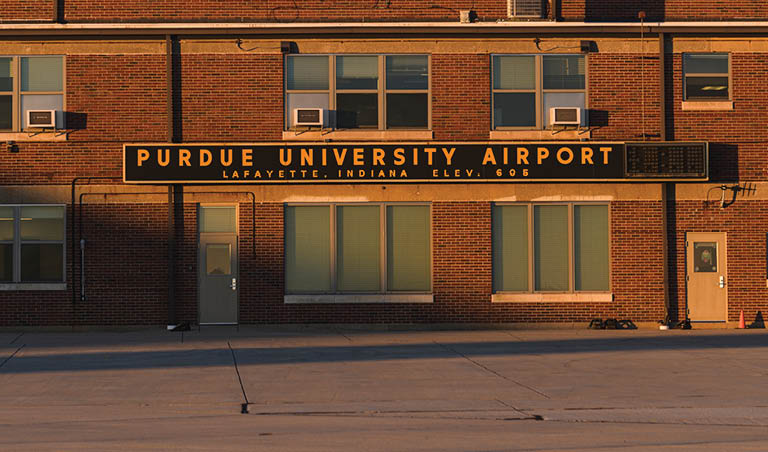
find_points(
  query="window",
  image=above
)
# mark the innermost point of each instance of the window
(30, 83)
(360, 91)
(524, 8)
(525, 87)
(357, 248)
(551, 248)
(31, 244)
(707, 76)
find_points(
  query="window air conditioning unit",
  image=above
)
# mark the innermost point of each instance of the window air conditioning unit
(524, 8)
(308, 117)
(565, 116)
(41, 118)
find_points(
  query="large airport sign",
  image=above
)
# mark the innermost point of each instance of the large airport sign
(412, 162)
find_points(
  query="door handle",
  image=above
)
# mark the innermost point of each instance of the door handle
(233, 286)
(722, 281)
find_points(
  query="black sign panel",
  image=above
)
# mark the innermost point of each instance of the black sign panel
(361, 163)
(667, 160)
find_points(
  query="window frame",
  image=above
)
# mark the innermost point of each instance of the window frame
(18, 242)
(571, 248)
(381, 90)
(538, 90)
(383, 267)
(17, 93)
(729, 75)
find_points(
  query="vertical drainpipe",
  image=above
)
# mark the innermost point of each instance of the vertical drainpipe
(171, 219)
(667, 188)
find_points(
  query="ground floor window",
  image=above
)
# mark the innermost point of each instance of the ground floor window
(551, 248)
(31, 243)
(357, 248)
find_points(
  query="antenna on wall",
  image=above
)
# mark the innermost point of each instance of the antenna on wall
(641, 16)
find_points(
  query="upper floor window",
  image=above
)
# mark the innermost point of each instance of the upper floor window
(31, 244)
(30, 83)
(706, 76)
(360, 91)
(525, 87)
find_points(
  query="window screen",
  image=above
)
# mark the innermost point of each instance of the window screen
(591, 251)
(307, 249)
(550, 235)
(510, 248)
(358, 254)
(408, 248)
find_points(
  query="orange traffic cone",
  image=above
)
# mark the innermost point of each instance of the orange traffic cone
(741, 320)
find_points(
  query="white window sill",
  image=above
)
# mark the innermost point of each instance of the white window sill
(358, 298)
(540, 135)
(32, 286)
(33, 136)
(353, 135)
(578, 297)
(692, 105)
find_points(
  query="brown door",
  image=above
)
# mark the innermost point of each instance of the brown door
(706, 277)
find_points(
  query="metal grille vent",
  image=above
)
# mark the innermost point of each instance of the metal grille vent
(566, 114)
(524, 8)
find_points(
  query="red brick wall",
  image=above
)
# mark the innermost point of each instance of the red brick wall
(31, 10)
(461, 104)
(659, 10)
(232, 97)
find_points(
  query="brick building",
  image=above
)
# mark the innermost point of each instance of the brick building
(382, 161)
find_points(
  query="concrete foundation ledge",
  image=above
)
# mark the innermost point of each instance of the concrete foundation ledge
(358, 298)
(580, 297)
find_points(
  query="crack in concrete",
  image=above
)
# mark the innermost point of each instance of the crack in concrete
(12, 355)
(488, 369)
(243, 406)
(16, 338)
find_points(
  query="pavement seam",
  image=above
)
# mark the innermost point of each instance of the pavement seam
(12, 355)
(244, 406)
(488, 369)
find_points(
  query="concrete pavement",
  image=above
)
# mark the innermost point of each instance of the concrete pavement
(333, 388)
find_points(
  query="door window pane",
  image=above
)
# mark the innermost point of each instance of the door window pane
(6, 223)
(711, 63)
(307, 72)
(407, 72)
(42, 223)
(6, 112)
(357, 111)
(358, 255)
(407, 111)
(706, 87)
(550, 242)
(6, 76)
(357, 72)
(591, 258)
(218, 259)
(218, 219)
(563, 71)
(307, 249)
(41, 74)
(514, 109)
(514, 72)
(6, 262)
(705, 257)
(510, 248)
(408, 248)
(42, 262)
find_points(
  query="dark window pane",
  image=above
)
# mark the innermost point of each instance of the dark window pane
(6, 112)
(357, 111)
(357, 72)
(6, 79)
(706, 64)
(6, 262)
(42, 223)
(514, 110)
(42, 263)
(407, 72)
(407, 111)
(564, 72)
(706, 87)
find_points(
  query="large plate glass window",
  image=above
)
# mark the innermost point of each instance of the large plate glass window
(707, 76)
(30, 83)
(525, 87)
(551, 248)
(31, 244)
(357, 248)
(360, 91)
